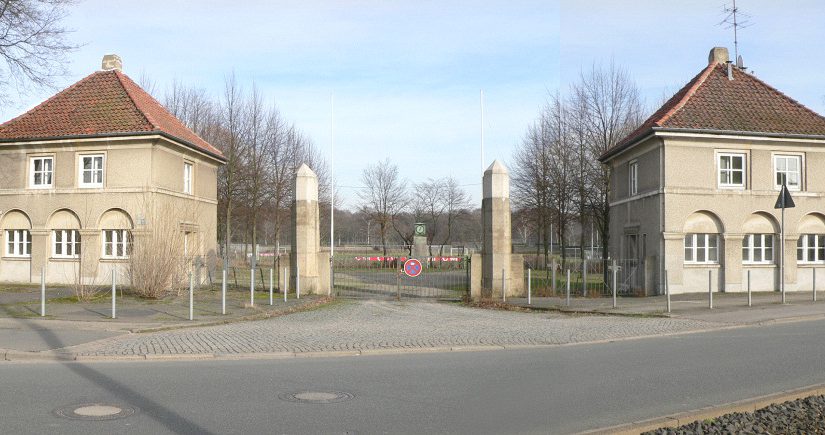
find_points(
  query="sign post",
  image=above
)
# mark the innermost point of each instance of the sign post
(784, 201)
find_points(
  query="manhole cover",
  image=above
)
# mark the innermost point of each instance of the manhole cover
(316, 396)
(94, 411)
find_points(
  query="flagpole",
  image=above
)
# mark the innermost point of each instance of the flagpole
(481, 104)
(332, 176)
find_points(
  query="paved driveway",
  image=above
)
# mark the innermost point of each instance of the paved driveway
(371, 325)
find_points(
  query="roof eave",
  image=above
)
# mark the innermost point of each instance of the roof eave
(635, 140)
(220, 158)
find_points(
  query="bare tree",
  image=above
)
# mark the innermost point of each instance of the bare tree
(231, 175)
(33, 43)
(608, 106)
(383, 197)
(456, 205)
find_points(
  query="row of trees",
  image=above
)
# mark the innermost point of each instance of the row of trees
(557, 179)
(394, 206)
(263, 152)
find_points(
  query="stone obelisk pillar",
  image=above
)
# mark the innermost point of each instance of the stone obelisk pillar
(306, 233)
(497, 247)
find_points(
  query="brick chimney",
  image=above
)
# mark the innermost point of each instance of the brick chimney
(718, 55)
(110, 62)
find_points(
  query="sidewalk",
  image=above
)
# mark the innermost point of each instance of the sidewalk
(69, 323)
(729, 308)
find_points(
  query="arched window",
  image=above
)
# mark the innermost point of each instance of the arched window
(16, 230)
(810, 247)
(758, 243)
(702, 231)
(116, 234)
(65, 234)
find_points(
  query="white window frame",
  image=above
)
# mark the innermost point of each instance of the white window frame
(81, 170)
(750, 248)
(21, 243)
(719, 170)
(121, 241)
(706, 249)
(188, 172)
(805, 247)
(633, 177)
(801, 162)
(32, 172)
(69, 241)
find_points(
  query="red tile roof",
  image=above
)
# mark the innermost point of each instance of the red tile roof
(710, 101)
(103, 103)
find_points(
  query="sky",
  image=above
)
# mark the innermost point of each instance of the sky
(406, 76)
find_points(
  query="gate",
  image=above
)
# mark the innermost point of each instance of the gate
(381, 277)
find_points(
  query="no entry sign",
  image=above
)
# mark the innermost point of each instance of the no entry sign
(412, 267)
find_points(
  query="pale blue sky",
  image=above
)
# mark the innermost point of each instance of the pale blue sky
(406, 75)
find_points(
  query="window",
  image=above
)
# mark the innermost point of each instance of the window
(41, 172)
(633, 177)
(810, 248)
(91, 171)
(117, 243)
(701, 248)
(18, 243)
(731, 170)
(66, 243)
(187, 178)
(757, 248)
(787, 169)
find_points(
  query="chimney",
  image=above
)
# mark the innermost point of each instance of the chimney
(110, 62)
(718, 55)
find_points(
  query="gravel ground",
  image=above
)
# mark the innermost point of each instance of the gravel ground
(803, 416)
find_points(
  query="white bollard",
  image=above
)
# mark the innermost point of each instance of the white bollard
(529, 288)
(667, 291)
(568, 287)
(114, 293)
(710, 290)
(191, 294)
(42, 292)
(252, 287)
(271, 273)
(223, 292)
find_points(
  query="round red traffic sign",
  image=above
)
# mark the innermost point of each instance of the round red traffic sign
(412, 267)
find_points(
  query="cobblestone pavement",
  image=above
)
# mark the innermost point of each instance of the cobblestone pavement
(371, 325)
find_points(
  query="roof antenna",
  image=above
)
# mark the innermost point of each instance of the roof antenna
(735, 19)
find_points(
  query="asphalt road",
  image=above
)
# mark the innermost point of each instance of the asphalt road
(547, 390)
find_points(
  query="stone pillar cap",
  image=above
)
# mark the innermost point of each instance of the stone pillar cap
(306, 184)
(496, 182)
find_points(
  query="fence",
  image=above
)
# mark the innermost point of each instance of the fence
(588, 278)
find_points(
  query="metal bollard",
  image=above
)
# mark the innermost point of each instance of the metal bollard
(568, 287)
(252, 287)
(42, 292)
(814, 286)
(584, 278)
(615, 282)
(285, 290)
(270, 286)
(223, 292)
(297, 281)
(750, 300)
(667, 292)
(114, 293)
(503, 287)
(710, 290)
(191, 293)
(529, 288)
(553, 285)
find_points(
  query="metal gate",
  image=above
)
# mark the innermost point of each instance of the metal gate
(382, 277)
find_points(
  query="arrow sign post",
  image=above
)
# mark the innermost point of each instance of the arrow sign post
(784, 201)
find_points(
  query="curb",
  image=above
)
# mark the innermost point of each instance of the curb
(708, 412)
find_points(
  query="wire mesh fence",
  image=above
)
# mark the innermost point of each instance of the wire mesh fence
(588, 278)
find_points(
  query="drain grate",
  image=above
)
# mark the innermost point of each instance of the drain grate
(95, 411)
(316, 396)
